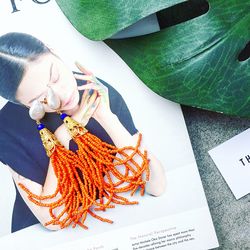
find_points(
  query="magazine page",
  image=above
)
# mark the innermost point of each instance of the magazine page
(178, 218)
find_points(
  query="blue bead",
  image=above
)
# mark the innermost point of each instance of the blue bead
(40, 126)
(63, 115)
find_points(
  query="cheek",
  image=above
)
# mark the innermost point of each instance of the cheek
(73, 81)
(63, 89)
(69, 83)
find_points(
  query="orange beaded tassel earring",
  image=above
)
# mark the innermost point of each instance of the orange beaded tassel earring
(95, 156)
(103, 161)
(77, 196)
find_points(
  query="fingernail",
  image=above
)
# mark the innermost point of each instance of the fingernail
(76, 62)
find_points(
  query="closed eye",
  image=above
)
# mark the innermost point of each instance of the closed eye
(56, 80)
(55, 74)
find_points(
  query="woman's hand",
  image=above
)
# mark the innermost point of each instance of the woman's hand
(89, 103)
(84, 112)
(103, 107)
(118, 133)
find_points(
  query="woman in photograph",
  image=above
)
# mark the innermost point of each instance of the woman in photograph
(28, 69)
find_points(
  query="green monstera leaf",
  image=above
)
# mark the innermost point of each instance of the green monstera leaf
(194, 62)
(100, 19)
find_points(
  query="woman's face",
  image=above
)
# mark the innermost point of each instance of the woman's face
(48, 71)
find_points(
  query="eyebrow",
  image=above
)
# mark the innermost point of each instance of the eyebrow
(50, 74)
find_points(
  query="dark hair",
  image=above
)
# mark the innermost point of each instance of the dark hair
(16, 50)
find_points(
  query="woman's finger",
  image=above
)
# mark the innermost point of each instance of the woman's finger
(93, 97)
(85, 98)
(87, 86)
(88, 111)
(83, 77)
(90, 86)
(92, 80)
(93, 107)
(82, 69)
